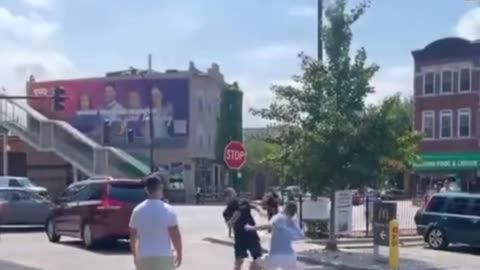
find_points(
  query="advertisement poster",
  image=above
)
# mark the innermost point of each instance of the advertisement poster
(123, 106)
(343, 212)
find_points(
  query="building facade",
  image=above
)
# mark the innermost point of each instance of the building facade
(185, 122)
(447, 113)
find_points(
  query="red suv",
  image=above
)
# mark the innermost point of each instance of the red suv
(95, 210)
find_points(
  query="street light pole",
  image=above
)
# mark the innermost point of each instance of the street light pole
(319, 30)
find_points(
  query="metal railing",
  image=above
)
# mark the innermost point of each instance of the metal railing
(69, 143)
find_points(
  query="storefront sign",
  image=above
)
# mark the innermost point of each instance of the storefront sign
(447, 164)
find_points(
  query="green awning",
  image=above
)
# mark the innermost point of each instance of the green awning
(443, 161)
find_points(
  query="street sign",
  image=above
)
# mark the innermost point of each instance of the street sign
(383, 213)
(235, 155)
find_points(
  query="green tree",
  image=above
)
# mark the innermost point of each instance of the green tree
(322, 119)
(230, 125)
(392, 140)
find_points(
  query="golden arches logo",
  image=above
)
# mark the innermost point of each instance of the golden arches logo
(383, 214)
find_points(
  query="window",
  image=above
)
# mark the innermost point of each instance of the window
(428, 124)
(457, 206)
(69, 194)
(429, 84)
(464, 123)
(129, 193)
(209, 140)
(14, 183)
(446, 124)
(475, 208)
(200, 105)
(200, 140)
(447, 82)
(465, 80)
(436, 204)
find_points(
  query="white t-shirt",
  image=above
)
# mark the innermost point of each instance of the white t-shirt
(151, 219)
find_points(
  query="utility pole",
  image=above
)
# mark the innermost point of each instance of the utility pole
(332, 239)
(319, 30)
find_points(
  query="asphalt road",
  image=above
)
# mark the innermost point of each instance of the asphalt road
(30, 250)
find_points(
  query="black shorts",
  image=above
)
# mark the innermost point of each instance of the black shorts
(246, 246)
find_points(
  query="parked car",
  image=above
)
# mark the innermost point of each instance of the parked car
(358, 198)
(95, 210)
(450, 217)
(22, 182)
(23, 207)
(393, 194)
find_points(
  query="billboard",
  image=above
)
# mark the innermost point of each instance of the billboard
(124, 105)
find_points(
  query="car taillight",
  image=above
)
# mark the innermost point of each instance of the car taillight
(109, 204)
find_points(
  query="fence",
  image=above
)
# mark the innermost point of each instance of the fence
(362, 214)
(406, 209)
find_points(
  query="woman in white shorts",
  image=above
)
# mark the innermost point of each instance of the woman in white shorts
(285, 230)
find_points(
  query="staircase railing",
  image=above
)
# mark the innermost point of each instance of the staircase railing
(72, 145)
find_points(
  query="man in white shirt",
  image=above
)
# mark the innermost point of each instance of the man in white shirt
(153, 226)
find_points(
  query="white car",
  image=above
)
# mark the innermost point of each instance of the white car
(23, 183)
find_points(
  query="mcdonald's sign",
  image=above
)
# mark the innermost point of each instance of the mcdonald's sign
(384, 212)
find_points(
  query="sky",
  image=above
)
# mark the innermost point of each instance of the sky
(256, 43)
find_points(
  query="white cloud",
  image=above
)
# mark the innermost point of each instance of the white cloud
(20, 28)
(303, 11)
(468, 26)
(40, 4)
(259, 68)
(273, 52)
(28, 47)
(390, 81)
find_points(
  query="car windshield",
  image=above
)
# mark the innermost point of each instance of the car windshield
(22, 182)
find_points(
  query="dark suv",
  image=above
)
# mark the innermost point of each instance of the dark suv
(95, 210)
(450, 218)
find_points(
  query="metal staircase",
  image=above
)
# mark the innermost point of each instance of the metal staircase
(82, 152)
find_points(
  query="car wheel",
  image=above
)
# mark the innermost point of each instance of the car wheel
(51, 231)
(87, 237)
(436, 238)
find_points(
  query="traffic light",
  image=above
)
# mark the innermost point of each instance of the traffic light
(107, 130)
(59, 99)
(130, 135)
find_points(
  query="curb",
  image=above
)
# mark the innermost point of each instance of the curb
(301, 258)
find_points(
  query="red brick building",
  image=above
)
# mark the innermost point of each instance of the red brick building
(447, 111)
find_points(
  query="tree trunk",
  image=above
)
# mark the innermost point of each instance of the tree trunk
(332, 238)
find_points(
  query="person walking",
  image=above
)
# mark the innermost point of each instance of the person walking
(153, 226)
(285, 230)
(237, 215)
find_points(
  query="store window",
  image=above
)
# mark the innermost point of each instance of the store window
(428, 124)
(446, 124)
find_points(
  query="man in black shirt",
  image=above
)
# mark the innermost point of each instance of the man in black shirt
(237, 215)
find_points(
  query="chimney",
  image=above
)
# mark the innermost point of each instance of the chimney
(31, 79)
(191, 66)
(214, 71)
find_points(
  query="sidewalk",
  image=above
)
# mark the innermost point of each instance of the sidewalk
(4, 265)
(315, 254)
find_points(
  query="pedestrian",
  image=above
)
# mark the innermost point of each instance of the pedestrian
(198, 195)
(153, 226)
(272, 204)
(285, 230)
(238, 214)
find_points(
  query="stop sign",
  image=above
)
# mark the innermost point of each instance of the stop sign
(235, 155)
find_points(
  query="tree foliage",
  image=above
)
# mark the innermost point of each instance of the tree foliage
(329, 138)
